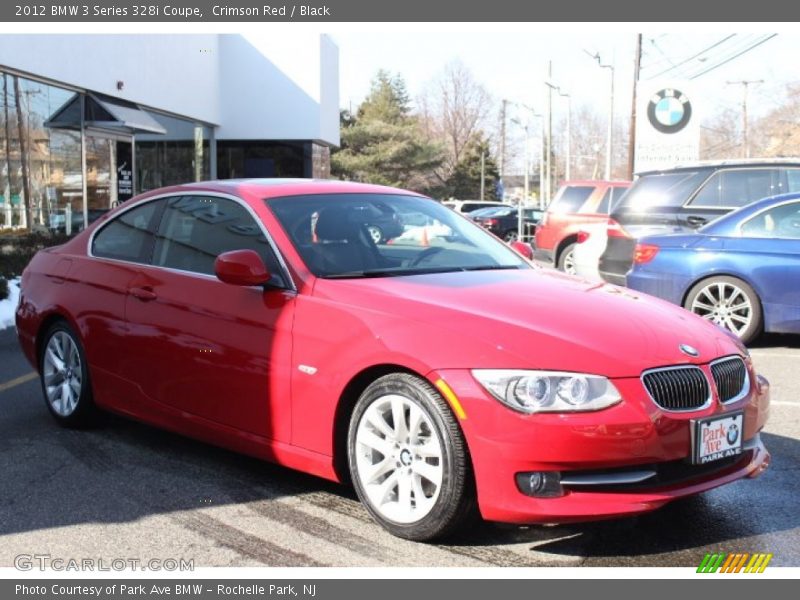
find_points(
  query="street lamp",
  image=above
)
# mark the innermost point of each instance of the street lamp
(596, 56)
(568, 157)
(526, 193)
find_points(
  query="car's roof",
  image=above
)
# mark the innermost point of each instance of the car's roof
(277, 187)
(739, 162)
(723, 222)
(598, 182)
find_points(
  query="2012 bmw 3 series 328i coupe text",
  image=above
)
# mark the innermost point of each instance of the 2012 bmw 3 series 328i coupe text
(435, 368)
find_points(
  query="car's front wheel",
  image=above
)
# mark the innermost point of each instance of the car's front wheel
(408, 459)
(65, 377)
(729, 302)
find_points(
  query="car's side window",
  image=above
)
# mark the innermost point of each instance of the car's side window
(738, 187)
(778, 222)
(130, 235)
(194, 230)
(605, 203)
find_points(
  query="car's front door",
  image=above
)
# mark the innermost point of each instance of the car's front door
(771, 240)
(206, 349)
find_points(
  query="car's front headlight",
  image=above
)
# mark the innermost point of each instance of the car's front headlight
(548, 391)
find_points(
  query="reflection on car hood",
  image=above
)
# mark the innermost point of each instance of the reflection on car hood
(540, 319)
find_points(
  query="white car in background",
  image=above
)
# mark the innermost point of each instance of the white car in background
(467, 206)
(590, 245)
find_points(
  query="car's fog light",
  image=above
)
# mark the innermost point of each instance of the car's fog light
(540, 484)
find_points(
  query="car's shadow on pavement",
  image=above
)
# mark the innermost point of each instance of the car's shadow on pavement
(724, 519)
(775, 340)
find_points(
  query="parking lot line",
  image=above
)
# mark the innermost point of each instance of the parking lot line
(17, 381)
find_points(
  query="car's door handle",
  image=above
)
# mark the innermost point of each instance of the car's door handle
(696, 221)
(143, 294)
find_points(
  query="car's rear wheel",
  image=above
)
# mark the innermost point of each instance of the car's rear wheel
(408, 459)
(730, 303)
(566, 260)
(65, 377)
(510, 236)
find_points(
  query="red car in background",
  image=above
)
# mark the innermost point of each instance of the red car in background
(575, 204)
(438, 373)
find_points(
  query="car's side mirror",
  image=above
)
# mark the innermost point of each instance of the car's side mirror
(241, 267)
(523, 249)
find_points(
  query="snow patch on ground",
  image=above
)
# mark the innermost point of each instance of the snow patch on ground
(9, 305)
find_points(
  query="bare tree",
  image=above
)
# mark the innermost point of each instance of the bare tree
(453, 109)
(588, 145)
(778, 132)
(721, 135)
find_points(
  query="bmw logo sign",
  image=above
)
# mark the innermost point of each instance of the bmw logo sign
(688, 350)
(669, 110)
(733, 434)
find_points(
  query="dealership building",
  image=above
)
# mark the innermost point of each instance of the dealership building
(87, 121)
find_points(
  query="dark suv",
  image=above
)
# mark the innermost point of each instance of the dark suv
(685, 198)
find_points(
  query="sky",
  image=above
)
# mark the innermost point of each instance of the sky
(512, 64)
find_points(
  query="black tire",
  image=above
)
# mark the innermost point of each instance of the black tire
(456, 500)
(754, 329)
(85, 412)
(564, 256)
(510, 236)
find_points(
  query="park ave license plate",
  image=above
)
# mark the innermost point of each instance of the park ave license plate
(717, 438)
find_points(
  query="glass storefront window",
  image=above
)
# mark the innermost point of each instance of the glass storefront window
(247, 158)
(40, 167)
(179, 156)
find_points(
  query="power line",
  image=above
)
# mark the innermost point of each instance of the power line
(691, 58)
(726, 61)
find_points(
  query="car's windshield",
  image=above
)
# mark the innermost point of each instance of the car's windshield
(381, 235)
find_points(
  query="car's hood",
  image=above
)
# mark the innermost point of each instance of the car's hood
(537, 319)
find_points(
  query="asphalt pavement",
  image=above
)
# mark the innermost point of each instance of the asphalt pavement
(126, 490)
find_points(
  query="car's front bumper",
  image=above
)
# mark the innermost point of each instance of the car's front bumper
(634, 433)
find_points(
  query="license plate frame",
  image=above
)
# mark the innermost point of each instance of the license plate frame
(716, 444)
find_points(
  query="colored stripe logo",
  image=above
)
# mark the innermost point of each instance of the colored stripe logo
(734, 563)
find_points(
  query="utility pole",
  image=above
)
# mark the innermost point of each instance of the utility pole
(548, 134)
(502, 164)
(7, 188)
(23, 156)
(745, 83)
(568, 154)
(610, 132)
(483, 173)
(637, 67)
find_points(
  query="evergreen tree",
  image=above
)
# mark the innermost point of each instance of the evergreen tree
(465, 182)
(383, 142)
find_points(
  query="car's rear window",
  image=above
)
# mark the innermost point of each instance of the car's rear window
(662, 190)
(570, 198)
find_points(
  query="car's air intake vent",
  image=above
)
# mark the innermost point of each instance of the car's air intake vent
(677, 388)
(730, 376)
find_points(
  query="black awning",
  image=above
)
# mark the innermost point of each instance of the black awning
(105, 112)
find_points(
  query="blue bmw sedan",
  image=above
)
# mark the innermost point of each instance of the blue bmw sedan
(741, 271)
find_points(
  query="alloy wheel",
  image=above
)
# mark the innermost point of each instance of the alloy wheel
(62, 374)
(399, 459)
(725, 304)
(569, 262)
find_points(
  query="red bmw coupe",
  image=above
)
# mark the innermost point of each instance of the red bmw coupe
(438, 370)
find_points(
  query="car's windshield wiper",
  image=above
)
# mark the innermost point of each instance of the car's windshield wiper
(491, 268)
(390, 272)
(415, 271)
